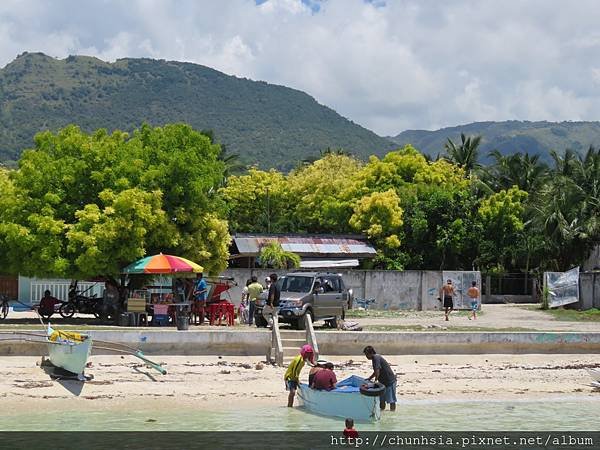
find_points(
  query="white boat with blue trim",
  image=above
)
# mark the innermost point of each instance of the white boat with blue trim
(69, 350)
(344, 401)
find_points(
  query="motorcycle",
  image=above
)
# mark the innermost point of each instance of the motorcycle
(81, 304)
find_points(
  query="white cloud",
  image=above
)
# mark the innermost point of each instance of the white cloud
(386, 65)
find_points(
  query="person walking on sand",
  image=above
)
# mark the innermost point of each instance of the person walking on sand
(447, 293)
(383, 373)
(474, 295)
(292, 374)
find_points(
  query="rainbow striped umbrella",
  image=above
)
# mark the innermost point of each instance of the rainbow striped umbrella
(163, 264)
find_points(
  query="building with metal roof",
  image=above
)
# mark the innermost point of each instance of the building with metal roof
(315, 251)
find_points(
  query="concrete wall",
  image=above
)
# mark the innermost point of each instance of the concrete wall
(589, 290)
(593, 260)
(395, 290)
(256, 342)
(507, 299)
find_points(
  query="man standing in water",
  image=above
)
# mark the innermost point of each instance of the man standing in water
(383, 373)
(447, 294)
(474, 294)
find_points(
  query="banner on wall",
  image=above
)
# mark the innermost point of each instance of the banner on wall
(563, 287)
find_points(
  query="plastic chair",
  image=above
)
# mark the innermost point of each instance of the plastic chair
(136, 308)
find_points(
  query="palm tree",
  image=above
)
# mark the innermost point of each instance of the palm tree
(526, 172)
(465, 154)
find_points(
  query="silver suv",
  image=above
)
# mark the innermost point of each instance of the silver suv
(320, 294)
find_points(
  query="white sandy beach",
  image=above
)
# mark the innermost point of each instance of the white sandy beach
(121, 383)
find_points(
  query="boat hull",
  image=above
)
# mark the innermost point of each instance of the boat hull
(595, 374)
(340, 404)
(68, 354)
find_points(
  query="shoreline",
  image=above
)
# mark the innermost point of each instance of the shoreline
(219, 384)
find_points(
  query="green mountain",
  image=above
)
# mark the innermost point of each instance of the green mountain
(509, 137)
(263, 123)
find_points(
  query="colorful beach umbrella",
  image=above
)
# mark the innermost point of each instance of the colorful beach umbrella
(163, 264)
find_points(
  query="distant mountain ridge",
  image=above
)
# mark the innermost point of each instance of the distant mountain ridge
(272, 125)
(509, 137)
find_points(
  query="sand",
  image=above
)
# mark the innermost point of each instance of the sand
(208, 381)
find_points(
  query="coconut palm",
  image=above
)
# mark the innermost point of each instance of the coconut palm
(465, 154)
(523, 170)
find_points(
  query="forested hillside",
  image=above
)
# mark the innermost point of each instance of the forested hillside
(509, 137)
(264, 123)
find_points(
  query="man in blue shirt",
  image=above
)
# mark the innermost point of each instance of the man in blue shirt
(200, 294)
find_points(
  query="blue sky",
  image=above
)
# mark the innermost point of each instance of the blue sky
(387, 65)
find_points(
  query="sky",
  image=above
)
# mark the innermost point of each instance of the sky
(388, 65)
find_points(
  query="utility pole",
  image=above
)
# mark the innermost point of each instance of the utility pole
(268, 212)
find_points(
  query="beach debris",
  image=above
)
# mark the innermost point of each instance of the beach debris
(259, 366)
(246, 366)
(151, 420)
(220, 357)
(436, 370)
(225, 372)
(34, 384)
(89, 365)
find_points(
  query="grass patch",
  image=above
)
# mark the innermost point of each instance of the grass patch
(572, 315)
(387, 314)
(447, 329)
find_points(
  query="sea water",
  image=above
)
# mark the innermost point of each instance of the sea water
(566, 414)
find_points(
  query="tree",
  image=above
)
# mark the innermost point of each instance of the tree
(526, 172)
(85, 205)
(322, 194)
(502, 221)
(258, 202)
(568, 208)
(274, 256)
(465, 154)
(379, 217)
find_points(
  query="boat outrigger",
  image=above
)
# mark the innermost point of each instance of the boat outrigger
(70, 351)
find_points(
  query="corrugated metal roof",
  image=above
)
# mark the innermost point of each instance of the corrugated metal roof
(306, 246)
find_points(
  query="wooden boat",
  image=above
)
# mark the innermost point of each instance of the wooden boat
(344, 401)
(69, 350)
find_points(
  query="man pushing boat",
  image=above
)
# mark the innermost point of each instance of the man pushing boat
(383, 373)
(292, 374)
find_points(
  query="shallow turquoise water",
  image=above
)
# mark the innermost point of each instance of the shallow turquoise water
(418, 415)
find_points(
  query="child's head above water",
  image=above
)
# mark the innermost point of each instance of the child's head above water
(349, 423)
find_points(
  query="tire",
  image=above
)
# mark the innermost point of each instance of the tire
(67, 310)
(301, 323)
(333, 323)
(372, 389)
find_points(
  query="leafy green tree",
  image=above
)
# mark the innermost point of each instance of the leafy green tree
(85, 205)
(322, 194)
(379, 217)
(441, 228)
(502, 221)
(274, 256)
(258, 202)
